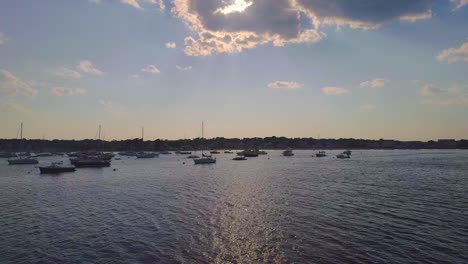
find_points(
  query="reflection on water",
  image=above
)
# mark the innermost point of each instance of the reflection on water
(379, 206)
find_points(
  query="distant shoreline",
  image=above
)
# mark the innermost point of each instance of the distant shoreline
(271, 143)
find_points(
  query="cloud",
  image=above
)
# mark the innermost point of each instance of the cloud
(453, 55)
(455, 95)
(181, 68)
(114, 109)
(375, 83)
(86, 66)
(151, 69)
(286, 85)
(133, 3)
(235, 25)
(61, 91)
(67, 73)
(364, 14)
(170, 45)
(161, 4)
(429, 90)
(459, 3)
(14, 107)
(12, 85)
(332, 90)
(3, 38)
(366, 108)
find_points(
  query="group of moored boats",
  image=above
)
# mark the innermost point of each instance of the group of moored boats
(103, 159)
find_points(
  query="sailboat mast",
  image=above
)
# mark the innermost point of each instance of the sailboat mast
(21, 130)
(99, 133)
(202, 128)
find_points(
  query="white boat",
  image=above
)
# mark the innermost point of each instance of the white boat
(204, 159)
(20, 160)
(147, 155)
(288, 153)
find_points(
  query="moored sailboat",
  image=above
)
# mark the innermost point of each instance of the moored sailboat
(22, 160)
(204, 159)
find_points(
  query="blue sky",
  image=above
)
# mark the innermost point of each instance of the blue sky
(335, 68)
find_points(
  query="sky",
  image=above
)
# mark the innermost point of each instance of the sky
(297, 68)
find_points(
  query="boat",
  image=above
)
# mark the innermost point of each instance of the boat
(91, 163)
(206, 155)
(146, 155)
(193, 157)
(127, 153)
(240, 158)
(204, 159)
(20, 160)
(228, 152)
(347, 152)
(7, 155)
(248, 153)
(185, 152)
(56, 168)
(214, 152)
(320, 154)
(262, 152)
(44, 154)
(343, 156)
(164, 152)
(288, 153)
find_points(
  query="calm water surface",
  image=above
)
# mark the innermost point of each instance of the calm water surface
(378, 207)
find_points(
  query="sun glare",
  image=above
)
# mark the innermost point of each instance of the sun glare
(238, 6)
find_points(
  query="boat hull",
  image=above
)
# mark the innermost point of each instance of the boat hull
(204, 161)
(91, 164)
(23, 162)
(53, 170)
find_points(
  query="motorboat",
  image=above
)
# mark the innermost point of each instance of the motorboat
(248, 153)
(228, 152)
(91, 163)
(205, 160)
(288, 153)
(7, 155)
(44, 154)
(56, 168)
(240, 158)
(22, 161)
(321, 154)
(347, 152)
(147, 155)
(343, 156)
(214, 152)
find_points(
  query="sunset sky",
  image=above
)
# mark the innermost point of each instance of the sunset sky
(394, 69)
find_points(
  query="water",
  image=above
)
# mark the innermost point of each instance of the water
(378, 207)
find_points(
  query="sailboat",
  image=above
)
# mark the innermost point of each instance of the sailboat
(204, 159)
(20, 160)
